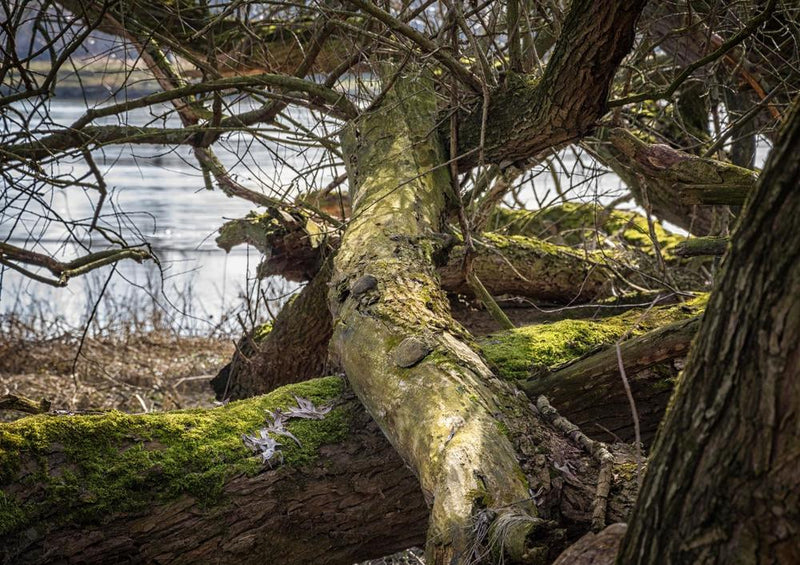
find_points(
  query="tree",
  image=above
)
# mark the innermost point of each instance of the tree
(461, 111)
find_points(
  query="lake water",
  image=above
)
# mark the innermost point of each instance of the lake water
(162, 193)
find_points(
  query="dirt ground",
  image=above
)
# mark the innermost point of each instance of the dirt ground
(133, 373)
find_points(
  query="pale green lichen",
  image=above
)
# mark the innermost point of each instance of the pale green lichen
(517, 353)
(121, 462)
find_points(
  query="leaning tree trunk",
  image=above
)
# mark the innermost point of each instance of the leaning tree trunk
(406, 358)
(724, 480)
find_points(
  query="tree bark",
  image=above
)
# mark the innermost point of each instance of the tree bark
(476, 447)
(530, 115)
(404, 355)
(294, 350)
(676, 186)
(201, 497)
(723, 482)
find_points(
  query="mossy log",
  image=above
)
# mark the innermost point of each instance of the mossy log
(513, 264)
(406, 358)
(702, 247)
(181, 487)
(589, 391)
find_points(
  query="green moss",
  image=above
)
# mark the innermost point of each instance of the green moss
(626, 470)
(121, 462)
(503, 428)
(261, 332)
(517, 353)
(11, 514)
(573, 224)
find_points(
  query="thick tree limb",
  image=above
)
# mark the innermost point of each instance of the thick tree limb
(354, 500)
(672, 183)
(531, 114)
(702, 247)
(589, 391)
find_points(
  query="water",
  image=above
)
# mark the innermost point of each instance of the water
(166, 204)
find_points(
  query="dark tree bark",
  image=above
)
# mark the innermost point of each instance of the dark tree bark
(355, 500)
(724, 479)
(528, 116)
(294, 350)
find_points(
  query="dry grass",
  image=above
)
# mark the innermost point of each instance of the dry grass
(156, 370)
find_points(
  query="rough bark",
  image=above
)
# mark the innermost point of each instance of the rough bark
(529, 268)
(353, 500)
(590, 393)
(404, 355)
(723, 482)
(294, 350)
(702, 246)
(530, 115)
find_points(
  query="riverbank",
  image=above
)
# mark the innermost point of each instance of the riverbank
(140, 372)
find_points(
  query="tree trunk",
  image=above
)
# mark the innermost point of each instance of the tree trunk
(294, 350)
(724, 482)
(478, 449)
(406, 358)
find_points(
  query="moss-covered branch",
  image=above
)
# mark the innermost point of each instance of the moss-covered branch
(675, 185)
(590, 392)
(181, 487)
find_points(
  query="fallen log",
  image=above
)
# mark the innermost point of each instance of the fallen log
(181, 487)
(589, 391)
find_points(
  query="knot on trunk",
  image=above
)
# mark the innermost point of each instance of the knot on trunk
(411, 351)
